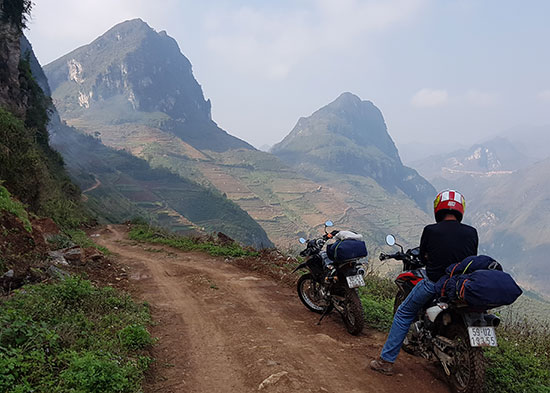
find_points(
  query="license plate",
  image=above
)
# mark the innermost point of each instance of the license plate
(355, 281)
(482, 336)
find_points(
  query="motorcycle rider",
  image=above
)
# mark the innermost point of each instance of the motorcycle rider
(446, 242)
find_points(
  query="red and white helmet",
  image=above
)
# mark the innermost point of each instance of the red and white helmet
(449, 202)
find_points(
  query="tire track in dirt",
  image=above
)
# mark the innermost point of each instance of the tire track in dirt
(224, 329)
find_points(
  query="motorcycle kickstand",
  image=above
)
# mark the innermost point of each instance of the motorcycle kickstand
(325, 313)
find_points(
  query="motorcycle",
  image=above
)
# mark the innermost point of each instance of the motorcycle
(449, 332)
(331, 285)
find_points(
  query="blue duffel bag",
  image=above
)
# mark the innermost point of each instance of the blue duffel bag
(446, 287)
(487, 288)
(344, 250)
(472, 264)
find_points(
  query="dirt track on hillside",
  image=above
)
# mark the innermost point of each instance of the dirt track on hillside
(222, 328)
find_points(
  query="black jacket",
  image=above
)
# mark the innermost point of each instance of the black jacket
(445, 243)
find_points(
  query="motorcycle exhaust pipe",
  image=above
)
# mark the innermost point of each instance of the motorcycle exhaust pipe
(492, 320)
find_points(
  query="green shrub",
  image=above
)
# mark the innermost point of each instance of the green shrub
(59, 241)
(94, 373)
(10, 205)
(66, 337)
(134, 337)
(80, 238)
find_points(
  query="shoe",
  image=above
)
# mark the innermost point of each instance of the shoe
(382, 366)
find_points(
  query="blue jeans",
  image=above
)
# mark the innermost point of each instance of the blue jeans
(421, 294)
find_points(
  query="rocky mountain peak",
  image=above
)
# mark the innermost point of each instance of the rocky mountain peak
(349, 136)
(133, 62)
(134, 75)
(348, 118)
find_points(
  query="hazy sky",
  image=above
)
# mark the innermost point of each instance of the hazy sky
(441, 71)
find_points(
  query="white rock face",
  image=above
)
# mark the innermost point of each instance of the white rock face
(75, 71)
(84, 99)
(133, 100)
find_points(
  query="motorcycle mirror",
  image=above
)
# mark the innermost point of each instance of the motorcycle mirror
(302, 240)
(390, 240)
(329, 223)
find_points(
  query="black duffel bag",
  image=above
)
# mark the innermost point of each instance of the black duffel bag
(343, 250)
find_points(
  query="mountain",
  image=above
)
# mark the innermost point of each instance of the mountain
(512, 214)
(349, 137)
(490, 158)
(134, 74)
(286, 203)
(507, 195)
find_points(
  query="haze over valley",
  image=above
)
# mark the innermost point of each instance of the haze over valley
(133, 89)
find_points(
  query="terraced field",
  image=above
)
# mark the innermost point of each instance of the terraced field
(284, 203)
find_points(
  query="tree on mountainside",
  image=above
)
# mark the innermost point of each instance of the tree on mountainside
(16, 12)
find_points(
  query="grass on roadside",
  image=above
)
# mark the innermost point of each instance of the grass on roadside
(72, 337)
(71, 237)
(150, 234)
(377, 297)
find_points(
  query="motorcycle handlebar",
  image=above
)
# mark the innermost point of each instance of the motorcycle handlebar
(398, 255)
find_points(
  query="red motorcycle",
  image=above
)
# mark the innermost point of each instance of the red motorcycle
(448, 332)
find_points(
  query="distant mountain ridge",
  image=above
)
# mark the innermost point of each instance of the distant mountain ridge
(132, 72)
(512, 213)
(497, 155)
(507, 197)
(349, 136)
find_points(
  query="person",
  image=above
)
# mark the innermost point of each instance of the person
(446, 242)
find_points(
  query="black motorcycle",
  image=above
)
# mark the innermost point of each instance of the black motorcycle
(448, 332)
(331, 284)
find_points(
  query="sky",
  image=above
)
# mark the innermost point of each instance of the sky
(444, 73)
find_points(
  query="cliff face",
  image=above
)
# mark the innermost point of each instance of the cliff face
(10, 53)
(29, 168)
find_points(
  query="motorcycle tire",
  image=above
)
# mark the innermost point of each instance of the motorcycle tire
(353, 315)
(468, 374)
(308, 292)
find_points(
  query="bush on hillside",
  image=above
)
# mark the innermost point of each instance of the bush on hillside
(65, 337)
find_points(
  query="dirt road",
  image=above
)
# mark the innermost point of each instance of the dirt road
(225, 329)
(96, 185)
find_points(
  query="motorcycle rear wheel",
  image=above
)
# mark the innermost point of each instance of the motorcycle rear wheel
(310, 295)
(468, 372)
(353, 314)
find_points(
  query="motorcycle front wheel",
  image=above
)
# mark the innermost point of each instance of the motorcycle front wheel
(353, 314)
(468, 371)
(309, 292)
